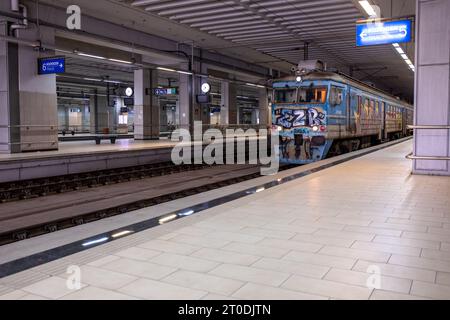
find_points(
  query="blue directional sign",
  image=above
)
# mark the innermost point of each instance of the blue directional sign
(374, 33)
(51, 65)
(164, 91)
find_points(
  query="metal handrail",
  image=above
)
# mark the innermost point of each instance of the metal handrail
(429, 127)
(29, 143)
(30, 126)
(411, 156)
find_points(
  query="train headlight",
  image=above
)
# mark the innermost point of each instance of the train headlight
(298, 79)
(315, 128)
(279, 128)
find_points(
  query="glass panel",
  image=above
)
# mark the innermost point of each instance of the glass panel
(285, 96)
(313, 95)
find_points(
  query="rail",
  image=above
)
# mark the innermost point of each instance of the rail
(411, 155)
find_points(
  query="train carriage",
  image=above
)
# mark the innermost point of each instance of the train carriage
(320, 113)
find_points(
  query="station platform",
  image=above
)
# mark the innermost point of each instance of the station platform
(358, 226)
(85, 156)
(82, 156)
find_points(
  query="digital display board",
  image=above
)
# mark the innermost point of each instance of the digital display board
(165, 91)
(203, 98)
(376, 33)
(128, 101)
(51, 65)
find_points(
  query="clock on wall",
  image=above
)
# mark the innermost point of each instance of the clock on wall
(128, 92)
(206, 87)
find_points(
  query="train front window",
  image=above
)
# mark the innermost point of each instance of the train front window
(286, 96)
(312, 94)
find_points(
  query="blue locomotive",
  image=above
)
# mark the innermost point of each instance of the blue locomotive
(320, 114)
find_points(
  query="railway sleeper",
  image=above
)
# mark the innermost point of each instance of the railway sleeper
(78, 221)
(20, 235)
(51, 228)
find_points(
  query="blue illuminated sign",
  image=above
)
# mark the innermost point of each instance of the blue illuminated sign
(374, 33)
(165, 91)
(51, 65)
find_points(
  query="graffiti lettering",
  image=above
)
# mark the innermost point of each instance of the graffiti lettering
(293, 118)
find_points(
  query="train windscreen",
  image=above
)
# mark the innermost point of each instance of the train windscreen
(286, 96)
(312, 94)
(305, 95)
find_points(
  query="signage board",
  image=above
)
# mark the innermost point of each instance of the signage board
(51, 65)
(376, 33)
(128, 101)
(165, 91)
(203, 98)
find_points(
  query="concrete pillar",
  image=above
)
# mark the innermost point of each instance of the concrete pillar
(224, 103)
(37, 95)
(85, 117)
(229, 101)
(9, 95)
(146, 105)
(184, 100)
(432, 86)
(99, 113)
(263, 107)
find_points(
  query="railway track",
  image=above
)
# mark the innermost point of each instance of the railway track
(38, 215)
(20, 190)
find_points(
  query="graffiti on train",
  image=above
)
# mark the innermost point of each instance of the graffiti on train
(293, 118)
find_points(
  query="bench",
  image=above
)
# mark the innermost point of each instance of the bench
(111, 138)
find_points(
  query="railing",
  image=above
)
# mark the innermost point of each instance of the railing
(411, 156)
(28, 126)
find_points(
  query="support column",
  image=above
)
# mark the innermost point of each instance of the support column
(37, 95)
(229, 100)
(184, 100)
(9, 95)
(146, 105)
(263, 108)
(432, 86)
(99, 113)
(224, 103)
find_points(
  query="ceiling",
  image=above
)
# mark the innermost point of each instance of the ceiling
(272, 32)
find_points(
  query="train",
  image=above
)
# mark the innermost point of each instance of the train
(320, 113)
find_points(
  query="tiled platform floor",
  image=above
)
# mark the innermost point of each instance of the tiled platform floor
(318, 237)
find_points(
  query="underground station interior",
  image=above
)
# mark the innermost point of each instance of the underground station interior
(205, 150)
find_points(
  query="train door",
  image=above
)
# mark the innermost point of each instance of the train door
(348, 112)
(383, 121)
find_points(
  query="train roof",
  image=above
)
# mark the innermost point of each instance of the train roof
(343, 78)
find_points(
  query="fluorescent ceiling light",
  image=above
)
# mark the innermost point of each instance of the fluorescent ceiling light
(404, 56)
(396, 45)
(91, 56)
(399, 50)
(166, 69)
(92, 79)
(368, 8)
(120, 61)
(185, 72)
(255, 85)
(112, 81)
(408, 61)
